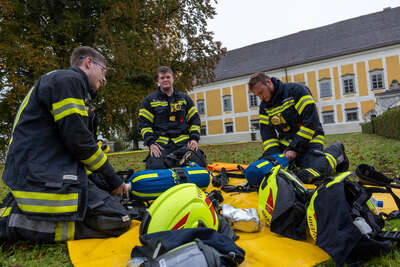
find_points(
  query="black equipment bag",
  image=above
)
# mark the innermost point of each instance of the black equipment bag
(202, 247)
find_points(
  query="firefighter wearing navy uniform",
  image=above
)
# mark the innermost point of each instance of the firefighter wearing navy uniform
(289, 124)
(51, 148)
(168, 121)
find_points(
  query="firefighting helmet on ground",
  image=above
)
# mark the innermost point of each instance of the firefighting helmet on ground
(182, 206)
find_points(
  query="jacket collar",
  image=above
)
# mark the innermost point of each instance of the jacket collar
(89, 88)
(277, 90)
(164, 95)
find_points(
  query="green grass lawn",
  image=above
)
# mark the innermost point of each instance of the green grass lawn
(381, 152)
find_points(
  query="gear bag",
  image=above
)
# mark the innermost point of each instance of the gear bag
(202, 247)
(149, 184)
(343, 221)
(281, 200)
(257, 170)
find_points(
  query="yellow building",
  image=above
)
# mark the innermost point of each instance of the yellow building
(344, 64)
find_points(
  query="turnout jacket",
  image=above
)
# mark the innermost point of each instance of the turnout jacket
(50, 148)
(290, 118)
(164, 119)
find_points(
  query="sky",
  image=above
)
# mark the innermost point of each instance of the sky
(239, 23)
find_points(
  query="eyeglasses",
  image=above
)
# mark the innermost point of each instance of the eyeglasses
(103, 69)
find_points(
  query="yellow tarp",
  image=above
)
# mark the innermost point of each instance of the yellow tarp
(262, 249)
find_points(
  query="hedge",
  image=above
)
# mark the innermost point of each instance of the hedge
(387, 124)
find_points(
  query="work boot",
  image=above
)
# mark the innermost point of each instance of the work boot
(342, 161)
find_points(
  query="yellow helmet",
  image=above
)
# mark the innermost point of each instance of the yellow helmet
(181, 206)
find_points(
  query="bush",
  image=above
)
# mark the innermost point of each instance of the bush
(387, 124)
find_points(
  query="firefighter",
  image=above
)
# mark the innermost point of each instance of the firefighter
(51, 148)
(289, 124)
(168, 122)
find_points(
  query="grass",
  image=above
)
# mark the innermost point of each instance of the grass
(381, 152)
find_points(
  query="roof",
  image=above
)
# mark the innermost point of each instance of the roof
(345, 37)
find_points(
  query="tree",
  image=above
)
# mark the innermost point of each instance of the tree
(136, 36)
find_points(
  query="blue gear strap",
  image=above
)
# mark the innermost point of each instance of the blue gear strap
(257, 170)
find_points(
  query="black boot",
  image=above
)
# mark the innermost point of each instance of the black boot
(342, 160)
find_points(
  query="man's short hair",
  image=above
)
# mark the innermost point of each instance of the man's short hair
(256, 78)
(164, 69)
(81, 52)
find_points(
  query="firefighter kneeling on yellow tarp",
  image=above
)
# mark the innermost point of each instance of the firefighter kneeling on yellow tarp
(51, 147)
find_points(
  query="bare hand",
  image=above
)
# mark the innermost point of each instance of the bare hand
(193, 145)
(155, 150)
(120, 190)
(291, 154)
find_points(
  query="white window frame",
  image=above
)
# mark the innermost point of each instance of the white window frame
(255, 123)
(328, 113)
(376, 85)
(227, 103)
(253, 100)
(323, 83)
(203, 128)
(228, 124)
(203, 110)
(346, 85)
(351, 111)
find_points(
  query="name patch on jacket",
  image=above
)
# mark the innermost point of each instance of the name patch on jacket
(70, 177)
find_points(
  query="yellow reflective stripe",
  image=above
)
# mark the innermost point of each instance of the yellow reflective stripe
(331, 159)
(163, 140)
(4, 212)
(182, 102)
(311, 220)
(339, 178)
(303, 102)
(262, 164)
(198, 172)
(263, 119)
(146, 130)
(194, 128)
(145, 176)
(313, 172)
(21, 108)
(67, 107)
(270, 143)
(96, 160)
(318, 139)
(305, 132)
(64, 231)
(139, 194)
(285, 142)
(281, 108)
(158, 104)
(180, 138)
(46, 202)
(191, 113)
(147, 114)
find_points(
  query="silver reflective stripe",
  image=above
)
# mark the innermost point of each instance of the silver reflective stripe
(68, 106)
(22, 221)
(97, 160)
(49, 203)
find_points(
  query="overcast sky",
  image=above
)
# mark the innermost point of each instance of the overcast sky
(240, 23)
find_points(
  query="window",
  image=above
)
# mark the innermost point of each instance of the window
(377, 80)
(255, 124)
(200, 106)
(229, 127)
(351, 114)
(203, 130)
(328, 117)
(348, 84)
(253, 100)
(325, 88)
(227, 103)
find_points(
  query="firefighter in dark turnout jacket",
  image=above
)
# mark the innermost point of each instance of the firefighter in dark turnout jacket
(168, 121)
(289, 124)
(51, 147)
